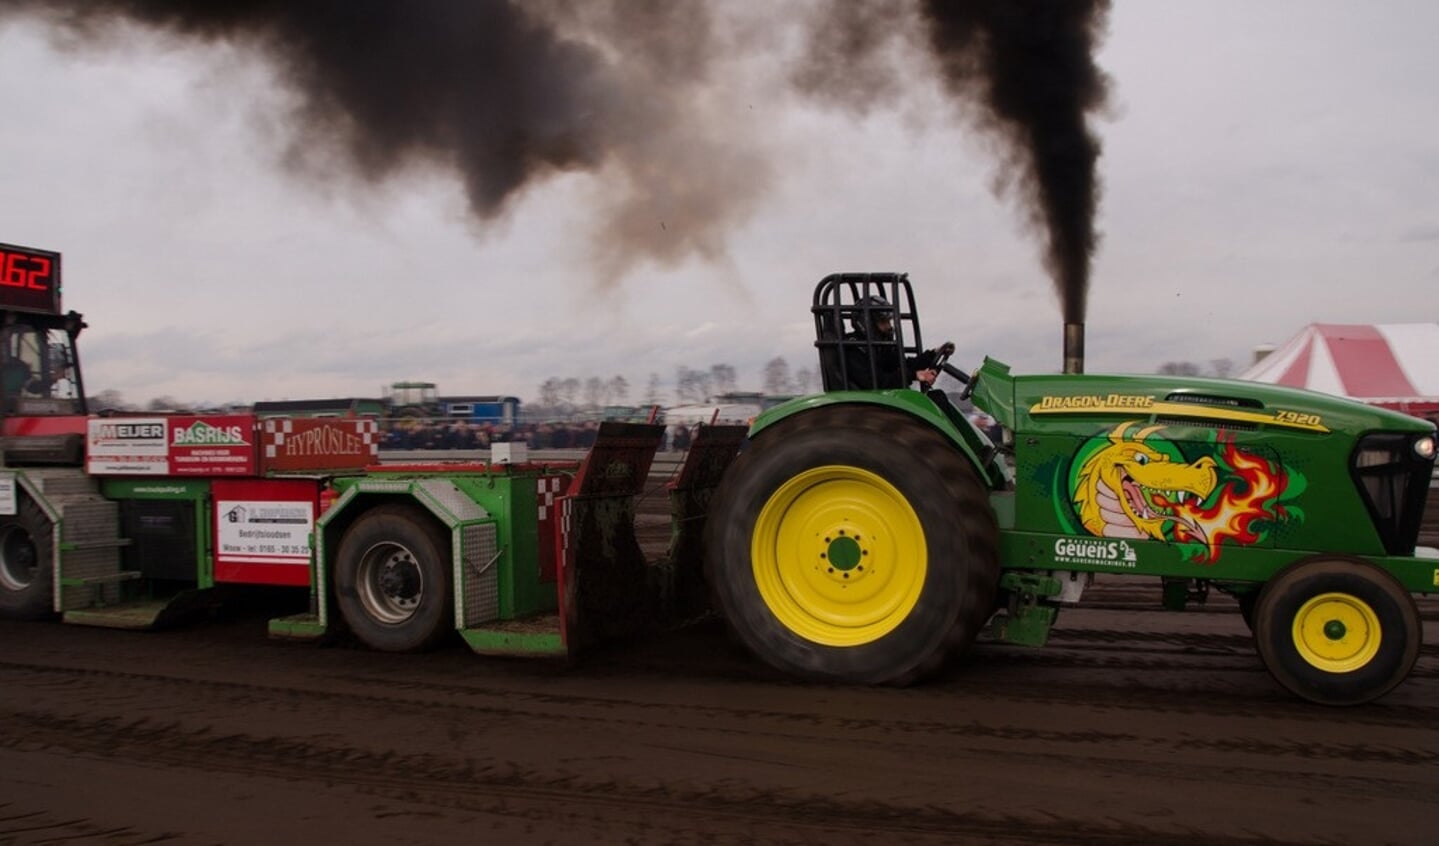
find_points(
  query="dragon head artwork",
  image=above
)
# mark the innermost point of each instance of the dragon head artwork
(1132, 489)
(1132, 483)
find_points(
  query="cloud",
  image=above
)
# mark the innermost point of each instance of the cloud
(1420, 233)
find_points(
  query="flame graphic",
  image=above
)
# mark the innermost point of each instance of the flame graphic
(1248, 494)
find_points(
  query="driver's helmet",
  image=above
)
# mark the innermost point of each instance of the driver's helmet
(870, 312)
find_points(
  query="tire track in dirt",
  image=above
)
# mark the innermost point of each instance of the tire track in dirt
(513, 704)
(1114, 734)
(466, 705)
(437, 780)
(38, 827)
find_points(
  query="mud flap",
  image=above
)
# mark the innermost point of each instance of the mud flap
(603, 580)
(714, 448)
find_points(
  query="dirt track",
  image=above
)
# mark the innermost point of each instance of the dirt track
(1132, 727)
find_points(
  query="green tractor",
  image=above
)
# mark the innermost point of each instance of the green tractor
(869, 533)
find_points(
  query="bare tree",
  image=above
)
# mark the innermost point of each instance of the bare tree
(108, 400)
(619, 389)
(596, 392)
(1222, 367)
(776, 376)
(550, 391)
(803, 379)
(570, 391)
(1178, 368)
(691, 386)
(164, 403)
(722, 378)
(653, 396)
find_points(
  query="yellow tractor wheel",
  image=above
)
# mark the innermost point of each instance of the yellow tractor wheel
(1337, 631)
(854, 544)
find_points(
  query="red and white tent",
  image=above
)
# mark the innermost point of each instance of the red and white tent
(1395, 365)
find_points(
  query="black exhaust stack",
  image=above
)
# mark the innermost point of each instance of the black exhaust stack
(1074, 348)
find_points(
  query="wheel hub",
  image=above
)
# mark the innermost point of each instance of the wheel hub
(389, 583)
(1337, 632)
(400, 579)
(839, 555)
(843, 556)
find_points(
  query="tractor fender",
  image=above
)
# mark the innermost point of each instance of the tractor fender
(948, 421)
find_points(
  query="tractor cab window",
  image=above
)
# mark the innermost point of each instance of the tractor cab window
(37, 371)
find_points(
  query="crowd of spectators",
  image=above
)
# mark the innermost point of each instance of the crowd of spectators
(422, 433)
(418, 433)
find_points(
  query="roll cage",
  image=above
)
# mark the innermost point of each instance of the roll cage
(851, 359)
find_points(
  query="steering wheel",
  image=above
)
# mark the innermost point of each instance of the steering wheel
(963, 377)
(941, 362)
(969, 385)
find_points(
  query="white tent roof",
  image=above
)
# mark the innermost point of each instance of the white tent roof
(1376, 363)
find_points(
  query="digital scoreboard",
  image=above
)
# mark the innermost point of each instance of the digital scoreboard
(29, 279)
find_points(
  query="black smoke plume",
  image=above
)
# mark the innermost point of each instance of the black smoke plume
(506, 93)
(848, 59)
(1025, 70)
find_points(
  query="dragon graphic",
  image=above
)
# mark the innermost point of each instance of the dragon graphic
(1130, 488)
(1132, 483)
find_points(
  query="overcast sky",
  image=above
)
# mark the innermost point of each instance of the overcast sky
(1265, 165)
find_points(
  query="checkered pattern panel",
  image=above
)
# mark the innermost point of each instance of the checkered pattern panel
(546, 489)
(278, 429)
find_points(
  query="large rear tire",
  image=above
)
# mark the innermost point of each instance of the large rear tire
(853, 544)
(393, 580)
(27, 564)
(1336, 631)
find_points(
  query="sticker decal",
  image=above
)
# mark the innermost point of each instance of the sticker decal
(1095, 552)
(1132, 483)
(1110, 402)
(1129, 403)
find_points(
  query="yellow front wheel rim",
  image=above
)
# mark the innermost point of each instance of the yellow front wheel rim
(1337, 632)
(839, 556)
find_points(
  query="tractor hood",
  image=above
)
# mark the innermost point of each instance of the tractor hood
(1210, 462)
(1042, 402)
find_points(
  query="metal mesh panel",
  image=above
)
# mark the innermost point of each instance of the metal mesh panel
(480, 574)
(90, 520)
(92, 525)
(452, 499)
(384, 486)
(89, 563)
(63, 482)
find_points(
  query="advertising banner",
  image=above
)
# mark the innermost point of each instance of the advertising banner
(127, 446)
(263, 529)
(180, 445)
(212, 445)
(319, 443)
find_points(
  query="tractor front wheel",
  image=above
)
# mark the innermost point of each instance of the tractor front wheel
(27, 567)
(1336, 631)
(392, 580)
(853, 544)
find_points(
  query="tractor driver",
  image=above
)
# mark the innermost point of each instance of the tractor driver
(874, 330)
